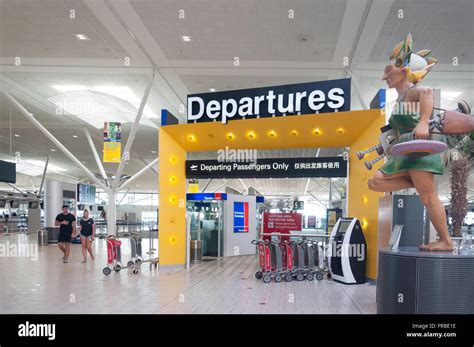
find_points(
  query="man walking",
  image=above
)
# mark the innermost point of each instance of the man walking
(67, 225)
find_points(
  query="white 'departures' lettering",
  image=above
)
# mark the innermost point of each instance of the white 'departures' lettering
(282, 103)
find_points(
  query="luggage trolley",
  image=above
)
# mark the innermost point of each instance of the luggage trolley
(136, 249)
(287, 260)
(114, 256)
(270, 258)
(311, 266)
(136, 252)
(298, 251)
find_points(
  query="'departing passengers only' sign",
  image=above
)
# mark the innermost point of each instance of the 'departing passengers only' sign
(293, 99)
(268, 168)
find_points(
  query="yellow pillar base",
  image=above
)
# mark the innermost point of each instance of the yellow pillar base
(172, 201)
(363, 203)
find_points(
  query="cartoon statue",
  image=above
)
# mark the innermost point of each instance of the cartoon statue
(413, 158)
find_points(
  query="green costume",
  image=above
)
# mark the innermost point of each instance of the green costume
(404, 122)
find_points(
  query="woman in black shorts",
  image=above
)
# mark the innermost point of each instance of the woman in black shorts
(87, 230)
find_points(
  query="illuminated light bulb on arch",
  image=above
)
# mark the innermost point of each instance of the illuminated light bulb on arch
(173, 179)
(294, 132)
(365, 200)
(230, 136)
(272, 133)
(251, 135)
(191, 138)
(340, 131)
(317, 132)
(173, 159)
(173, 199)
(172, 239)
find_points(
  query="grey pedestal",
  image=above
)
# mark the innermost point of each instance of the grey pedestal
(411, 281)
(406, 210)
(53, 233)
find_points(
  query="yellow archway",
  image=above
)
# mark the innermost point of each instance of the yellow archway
(355, 129)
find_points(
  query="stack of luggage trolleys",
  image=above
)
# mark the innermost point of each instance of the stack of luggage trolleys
(287, 260)
(306, 260)
(114, 259)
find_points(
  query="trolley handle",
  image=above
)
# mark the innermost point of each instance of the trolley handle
(256, 242)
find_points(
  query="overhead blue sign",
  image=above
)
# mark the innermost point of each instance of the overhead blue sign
(206, 196)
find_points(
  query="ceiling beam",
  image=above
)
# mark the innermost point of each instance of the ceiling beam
(44, 105)
(378, 12)
(352, 20)
(54, 140)
(123, 14)
(133, 131)
(103, 13)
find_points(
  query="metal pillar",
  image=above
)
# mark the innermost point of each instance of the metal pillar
(131, 137)
(138, 174)
(330, 193)
(54, 140)
(357, 90)
(96, 155)
(207, 185)
(44, 175)
(16, 188)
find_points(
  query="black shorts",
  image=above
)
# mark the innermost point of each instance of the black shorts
(86, 234)
(64, 237)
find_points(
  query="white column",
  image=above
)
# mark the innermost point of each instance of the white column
(53, 201)
(111, 213)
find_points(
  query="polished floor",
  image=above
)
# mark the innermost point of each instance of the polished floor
(41, 283)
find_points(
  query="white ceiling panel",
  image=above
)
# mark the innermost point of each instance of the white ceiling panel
(248, 29)
(445, 27)
(44, 29)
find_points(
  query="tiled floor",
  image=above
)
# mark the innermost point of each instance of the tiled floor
(46, 285)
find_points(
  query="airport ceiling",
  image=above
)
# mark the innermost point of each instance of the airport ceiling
(193, 45)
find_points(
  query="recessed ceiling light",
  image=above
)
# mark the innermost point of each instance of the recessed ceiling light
(52, 150)
(75, 136)
(83, 162)
(153, 152)
(212, 90)
(16, 135)
(82, 37)
(186, 38)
